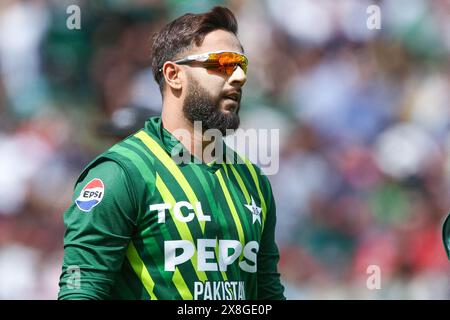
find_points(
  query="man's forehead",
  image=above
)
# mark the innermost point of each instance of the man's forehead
(219, 40)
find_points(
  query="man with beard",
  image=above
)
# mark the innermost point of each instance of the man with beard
(144, 226)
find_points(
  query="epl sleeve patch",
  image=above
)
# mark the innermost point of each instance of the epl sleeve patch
(91, 195)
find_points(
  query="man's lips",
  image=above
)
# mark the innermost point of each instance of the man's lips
(233, 95)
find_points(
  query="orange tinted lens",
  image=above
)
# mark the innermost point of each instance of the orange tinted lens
(228, 69)
(226, 62)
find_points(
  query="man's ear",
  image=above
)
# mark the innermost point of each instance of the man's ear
(172, 73)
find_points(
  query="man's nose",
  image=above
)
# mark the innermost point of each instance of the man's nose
(238, 76)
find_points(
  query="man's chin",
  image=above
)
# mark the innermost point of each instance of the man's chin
(230, 106)
(232, 123)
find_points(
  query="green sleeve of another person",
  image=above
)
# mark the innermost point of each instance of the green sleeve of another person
(97, 237)
(446, 235)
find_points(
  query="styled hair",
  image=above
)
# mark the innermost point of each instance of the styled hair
(183, 33)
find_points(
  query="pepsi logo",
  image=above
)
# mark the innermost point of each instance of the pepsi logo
(91, 195)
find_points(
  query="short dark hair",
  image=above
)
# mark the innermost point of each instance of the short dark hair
(182, 33)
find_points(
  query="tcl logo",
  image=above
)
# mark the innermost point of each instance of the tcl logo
(163, 207)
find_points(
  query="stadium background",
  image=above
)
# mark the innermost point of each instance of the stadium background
(363, 116)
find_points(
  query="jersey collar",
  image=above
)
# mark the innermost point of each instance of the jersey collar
(168, 141)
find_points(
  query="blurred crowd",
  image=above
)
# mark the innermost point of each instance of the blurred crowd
(363, 114)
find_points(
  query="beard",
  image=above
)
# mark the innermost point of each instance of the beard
(199, 105)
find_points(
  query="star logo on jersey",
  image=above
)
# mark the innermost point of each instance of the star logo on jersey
(256, 211)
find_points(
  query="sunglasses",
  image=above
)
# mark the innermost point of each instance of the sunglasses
(221, 61)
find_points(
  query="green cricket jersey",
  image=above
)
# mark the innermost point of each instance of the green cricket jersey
(143, 226)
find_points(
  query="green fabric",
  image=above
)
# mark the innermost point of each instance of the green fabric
(126, 248)
(446, 235)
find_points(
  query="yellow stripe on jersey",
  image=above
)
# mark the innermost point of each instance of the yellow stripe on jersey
(139, 267)
(241, 185)
(261, 197)
(230, 203)
(182, 228)
(168, 162)
(181, 285)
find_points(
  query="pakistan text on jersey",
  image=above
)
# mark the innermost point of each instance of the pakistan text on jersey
(219, 290)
